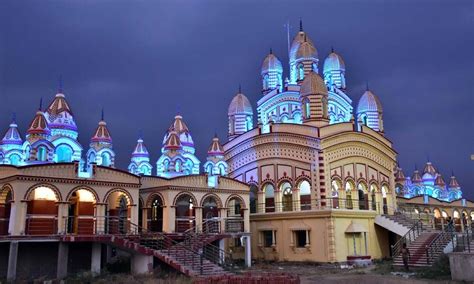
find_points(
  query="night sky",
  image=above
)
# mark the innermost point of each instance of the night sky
(145, 60)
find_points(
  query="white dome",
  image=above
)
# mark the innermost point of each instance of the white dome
(334, 62)
(240, 105)
(313, 84)
(271, 63)
(369, 102)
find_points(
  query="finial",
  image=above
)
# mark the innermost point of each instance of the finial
(140, 134)
(60, 84)
(271, 51)
(332, 49)
(416, 167)
(452, 173)
(41, 104)
(301, 25)
(304, 37)
(215, 133)
(102, 114)
(14, 117)
(428, 158)
(240, 89)
(178, 109)
(367, 85)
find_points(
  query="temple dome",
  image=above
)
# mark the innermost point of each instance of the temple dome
(313, 84)
(102, 134)
(60, 115)
(334, 62)
(12, 136)
(240, 105)
(140, 149)
(216, 148)
(306, 50)
(369, 102)
(271, 63)
(181, 129)
(39, 125)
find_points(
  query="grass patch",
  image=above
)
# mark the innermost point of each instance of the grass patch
(439, 270)
(383, 266)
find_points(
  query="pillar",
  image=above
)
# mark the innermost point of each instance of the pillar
(96, 258)
(145, 218)
(223, 219)
(261, 202)
(198, 219)
(379, 202)
(278, 200)
(169, 215)
(13, 219)
(20, 226)
(133, 217)
(100, 218)
(341, 194)
(63, 214)
(248, 251)
(222, 249)
(141, 264)
(246, 220)
(296, 206)
(12, 261)
(355, 199)
(63, 252)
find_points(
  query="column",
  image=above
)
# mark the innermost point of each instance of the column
(198, 220)
(145, 218)
(63, 213)
(261, 202)
(171, 220)
(355, 199)
(63, 252)
(100, 218)
(141, 264)
(278, 200)
(341, 194)
(379, 202)
(12, 261)
(296, 206)
(133, 217)
(221, 250)
(223, 219)
(246, 220)
(96, 258)
(21, 217)
(13, 219)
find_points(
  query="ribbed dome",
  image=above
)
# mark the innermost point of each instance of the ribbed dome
(313, 84)
(173, 142)
(181, 129)
(39, 125)
(453, 183)
(369, 102)
(416, 178)
(102, 134)
(334, 62)
(430, 169)
(271, 63)
(306, 50)
(300, 37)
(140, 149)
(399, 175)
(439, 181)
(12, 136)
(240, 105)
(216, 148)
(59, 114)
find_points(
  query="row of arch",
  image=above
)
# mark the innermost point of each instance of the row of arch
(365, 194)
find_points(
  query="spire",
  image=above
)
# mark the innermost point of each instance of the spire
(271, 50)
(12, 136)
(14, 117)
(240, 89)
(215, 149)
(453, 183)
(102, 114)
(60, 83)
(41, 104)
(332, 49)
(301, 25)
(367, 85)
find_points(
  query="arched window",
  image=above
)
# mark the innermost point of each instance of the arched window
(41, 153)
(265, 82)
(92, 157)
(384, 199)
(209, 169)
(185, 215)
(335, 187)
(363, 197)
(253, 198)
(373, 190)
(305, 195)
(349, 188)
(231, 125)
(300, 71)
(269, 197)
(287, 199)
(314, 68)
(177, 166)
(144, 169)
(222, 170)
(64, 154)
(106, 161)
(166, 164)
(156, 220)
(306, 108)
(15, 159)
(248, 123)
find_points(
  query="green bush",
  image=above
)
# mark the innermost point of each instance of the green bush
(439, 270)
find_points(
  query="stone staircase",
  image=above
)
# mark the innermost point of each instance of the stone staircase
(418, 251)
(398, 223)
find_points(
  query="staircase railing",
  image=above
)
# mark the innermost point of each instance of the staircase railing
(463, 240)
(435, 248)
(408, 238)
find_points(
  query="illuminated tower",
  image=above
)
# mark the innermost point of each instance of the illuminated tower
(334, 71)
(314, 100)
(183, 133)
(303, 57)
(240, 115)
(101, 151)
(140, 161)
(63, 129)
(216, 164)
(370, 112)
(272, 72)
(37, 147)
(11, 146)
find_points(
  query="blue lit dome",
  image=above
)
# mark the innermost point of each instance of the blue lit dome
(369, 103)
(140, 149)
(60, 116)
(12, 136)
(334, 62)
(240, 105)
(271, 63)
(313, 84)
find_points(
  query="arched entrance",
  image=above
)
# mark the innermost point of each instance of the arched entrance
(287, 198)
(185, 213)
(210, 211)
(384, 199)
(363, 196)
(155, 223)
(235, 215)
(269, 191)
(118, 213)
(81, 212)
(349, 188)
(6, 198)
(42, 212)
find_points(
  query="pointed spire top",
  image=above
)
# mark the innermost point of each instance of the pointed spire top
(428, 158)
(102, 114)
(452, 173)
(367, 85)
(240, 89)
(41, 104)
(416, 167)
(271, 51)
(301, 25)
(14, 117)
(60, 83)
(332, 49)
(140, 134)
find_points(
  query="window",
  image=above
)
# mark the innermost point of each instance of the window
(307, 109)
(41, 155)
(209, 169)
(64, 154)
(15, 159)
(305, 195)
(265, 82)
(268, 239)
(349, 188)
(269, 198)
(177, 166)
(300, 72)
(287, 201)
(301, 238)
(106, 161)
(248, 123)
(253, 198)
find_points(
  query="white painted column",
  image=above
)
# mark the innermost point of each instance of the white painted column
(133, 216)
(100, 218)
(13, 218)
(96, 258)
(20, 226)
(12, 261)
(248, 251)
(63, 213)
(198, 214)
(246, 220)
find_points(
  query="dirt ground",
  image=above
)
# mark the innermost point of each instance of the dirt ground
(310, 273)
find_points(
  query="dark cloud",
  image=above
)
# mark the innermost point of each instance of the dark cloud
(142, 60)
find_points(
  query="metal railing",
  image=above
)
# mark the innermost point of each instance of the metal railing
(436, 247)
(408, 238)
(464, 240)
(41, 225)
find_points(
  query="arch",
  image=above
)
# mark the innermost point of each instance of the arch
(48, 185)
(42, 153)
(306, 108)
(155, 210)
(152, 196)
(253, 196)
(363, 196)
(90, 189)
(437, 213)
(106, 159)
(385, 191)
(64, 153)
(349, 187)
(184, 193)
(304, 190)
(121, 190)
(4, 191)
(456, 214)
(300, 68)
(373, 189)
(6, 197)
(269, 193)
(14, 159)
(215, 196)
(185, 214)
(235, 196)
(286, 190)
(210, 205)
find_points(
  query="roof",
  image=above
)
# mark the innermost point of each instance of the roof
(399, 175)
(140, 149)
(39, 125)
(216, 148)
(58, 105)
(453, 183)
(355, 228)
(299, 38)
(240, 105)
(439, 181)
(12, 136)
(313, 84)
(334, 62)
(173, 142)
(102, 133)
(369, 102)
(429, 168)
(271, 63)
(60, 115)
(416, 178)
(306, 50)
